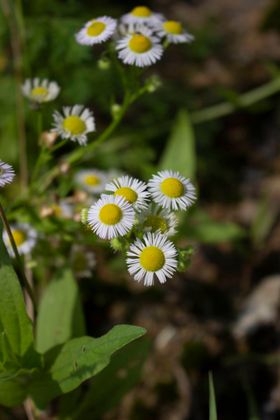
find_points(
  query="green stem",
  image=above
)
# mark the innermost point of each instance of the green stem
(86, 151)
(17, 257)
(245, 100)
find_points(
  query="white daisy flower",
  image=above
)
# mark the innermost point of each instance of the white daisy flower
(7, 174)
(40, 91)
(171, 190)
(82, 261)
(74, 123)
(131, 189)
(62, 209)
(91, 180)
(140, 48)
(141, 14)
(157, 219)
(25, 238)
(174, 32)
(154, 256)
(111, 216)
(96, 31)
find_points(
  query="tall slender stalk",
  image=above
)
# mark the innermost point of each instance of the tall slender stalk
(17, 257)
(16, 46)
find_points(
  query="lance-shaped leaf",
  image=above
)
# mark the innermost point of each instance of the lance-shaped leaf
(60, 314)
(179, 153)
(110, 385)
(67, 366)
(16, 343)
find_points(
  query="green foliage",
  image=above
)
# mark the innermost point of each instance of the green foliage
(15, 326)
(67, 366)
(60, 314)
(212, 399)
(179, 153)
(115, 380)
(202, 228)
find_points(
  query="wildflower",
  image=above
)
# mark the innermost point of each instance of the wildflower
(140, 48)
(153, 257)
(91, 180)
(141, 14)
(74, 123)
(82, 261)
(62, 209)
(40, 91)
(6, 174)
(171, 190)
(174, 32)
(25, 238)
(111, 216)
(131, 189)
(96, 31)
(157, 219)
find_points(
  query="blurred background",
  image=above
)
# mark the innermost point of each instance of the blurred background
(222, 315)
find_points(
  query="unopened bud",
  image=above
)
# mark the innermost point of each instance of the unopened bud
(104, 63)
(84, 216)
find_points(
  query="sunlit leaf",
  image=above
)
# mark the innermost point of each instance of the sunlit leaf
(60, 314)
(179, 153)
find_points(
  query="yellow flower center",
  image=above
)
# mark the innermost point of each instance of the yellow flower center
(156, 223)
(39, 91)
(19, 236)
(92, 180)
(96, 28)
(74, 124)
(127, 193)
(152, 258)
(110, 214)
(140, 43)
(57, 211)
(173, 27)
(141, 11)
(172, 187)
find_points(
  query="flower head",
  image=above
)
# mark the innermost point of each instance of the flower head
(96, 31)
(6, 174)
(156, 219)
(39, 91)
(131, 189)
(25, 238)
(74, 123)
(174, 32)
(91, 180)
(153, 257)
(141, 14)
(140, 48)
(111, 216)
(171, 190)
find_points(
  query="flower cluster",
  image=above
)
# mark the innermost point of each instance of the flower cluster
(139, 37)
(139, 218)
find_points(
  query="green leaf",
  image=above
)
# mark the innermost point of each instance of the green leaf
(13, 386)
(179, 153)
(67, 366)
(200, 227)
(16, 336)
(110, 385)
(212, 399)
(60, 314)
